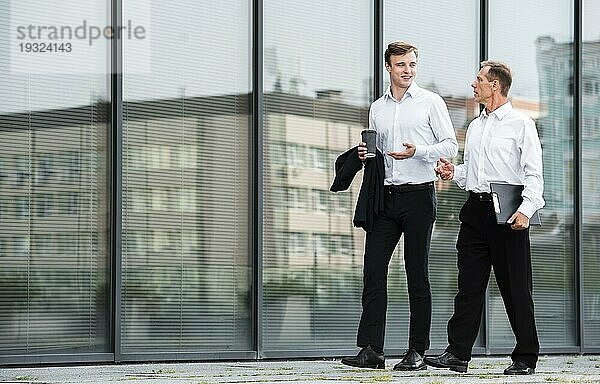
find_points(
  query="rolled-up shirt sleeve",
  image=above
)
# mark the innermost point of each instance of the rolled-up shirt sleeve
(441, 125)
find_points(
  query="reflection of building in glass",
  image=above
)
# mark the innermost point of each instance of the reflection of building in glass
(555, 125)
(590, 126)
(591, 189)
(311, 251)
(555, 66)
(185, 246)
(304, 137)
(53, 232)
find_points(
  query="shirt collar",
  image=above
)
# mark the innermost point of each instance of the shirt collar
(412, 91)
(500, 112)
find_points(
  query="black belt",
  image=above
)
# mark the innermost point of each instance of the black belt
(480, 196)
(393, 189)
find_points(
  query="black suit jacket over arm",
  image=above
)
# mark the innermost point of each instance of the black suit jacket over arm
(371, 196)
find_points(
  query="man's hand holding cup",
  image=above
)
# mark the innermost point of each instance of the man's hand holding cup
(362, 151)
(368, 144)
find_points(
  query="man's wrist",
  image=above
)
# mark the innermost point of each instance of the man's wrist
(526, 209)
(420, 152)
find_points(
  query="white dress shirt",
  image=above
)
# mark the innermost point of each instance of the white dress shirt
(420, 118)
(503, 147)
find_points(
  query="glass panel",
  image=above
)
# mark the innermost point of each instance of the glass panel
(447, 64)
(539, 52)
(317, 82)
(54, 109)
(590, 127)
(186, 270)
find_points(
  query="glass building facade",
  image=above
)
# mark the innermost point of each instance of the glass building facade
(166, 197)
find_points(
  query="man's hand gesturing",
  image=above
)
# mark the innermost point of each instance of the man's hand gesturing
(445, 169)
(406, 154)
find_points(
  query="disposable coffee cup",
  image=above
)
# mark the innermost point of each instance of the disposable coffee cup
(369, 137)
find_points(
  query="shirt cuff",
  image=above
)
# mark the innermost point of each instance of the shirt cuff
(527, 208)
(458, 175)
(421, 152)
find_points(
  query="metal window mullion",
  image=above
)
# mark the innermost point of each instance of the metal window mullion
(257, 170)
(378, 49)
(577, 174)
(116, 128)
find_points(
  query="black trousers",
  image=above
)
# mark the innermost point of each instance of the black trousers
(411, 213)
(483, 244)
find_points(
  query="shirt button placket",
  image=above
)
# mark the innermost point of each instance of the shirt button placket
(393, 141)
(482, 144)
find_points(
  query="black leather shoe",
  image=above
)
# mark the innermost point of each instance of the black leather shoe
(447, 360)
(366, 358)
(519, 368)
(411, 361)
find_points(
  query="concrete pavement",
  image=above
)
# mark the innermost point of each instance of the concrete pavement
(551, 369)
